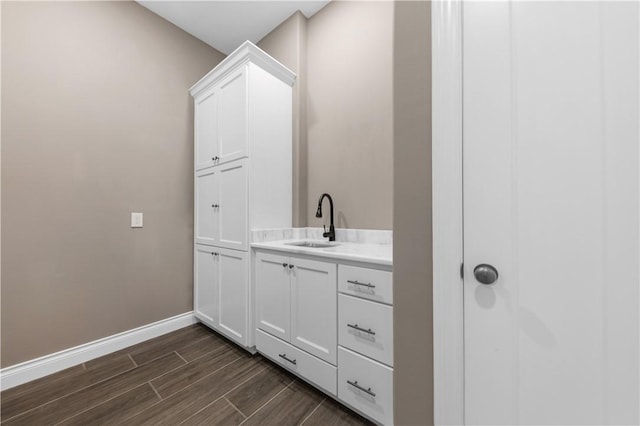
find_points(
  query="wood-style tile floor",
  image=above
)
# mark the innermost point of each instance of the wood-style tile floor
(191, 376)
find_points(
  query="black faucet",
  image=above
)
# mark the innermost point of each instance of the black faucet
(332, 231)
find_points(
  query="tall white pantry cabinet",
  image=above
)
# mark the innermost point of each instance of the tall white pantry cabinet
(243, 168)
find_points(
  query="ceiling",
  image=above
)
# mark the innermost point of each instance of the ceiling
(224, 25)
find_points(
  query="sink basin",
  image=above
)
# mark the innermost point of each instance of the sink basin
(312, 244)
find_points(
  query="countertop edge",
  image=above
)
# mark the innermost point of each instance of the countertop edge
(280, 246)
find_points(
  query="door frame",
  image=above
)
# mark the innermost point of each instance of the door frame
(447, 211)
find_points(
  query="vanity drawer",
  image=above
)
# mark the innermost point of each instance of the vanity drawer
(372, 284)
(366, 385)
(307, 366)
(366, 327)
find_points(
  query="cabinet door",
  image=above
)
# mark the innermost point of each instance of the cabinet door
(232, 116)
(233, 283)
(206, 129)
(207, 220)
(273, 295)
(205, 293)
(233, 205)
(313, 307)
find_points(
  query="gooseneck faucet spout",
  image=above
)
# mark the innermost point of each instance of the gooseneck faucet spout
(332, 231)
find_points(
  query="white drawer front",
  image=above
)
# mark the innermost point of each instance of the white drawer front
(366, 385)
(311, 368)
(366, 327)
(371, 284)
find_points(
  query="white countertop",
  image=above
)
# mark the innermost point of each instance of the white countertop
(381, 254)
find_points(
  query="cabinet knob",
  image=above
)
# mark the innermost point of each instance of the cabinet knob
(284, 265)
(215, 206)
(290, 266)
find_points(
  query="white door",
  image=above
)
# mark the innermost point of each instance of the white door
(232, 210)
(205, 298)
(273, 294)
(207, 220)
(206, 130)
(314, 307)
(550, 125)
(233, 284)
(232, 116)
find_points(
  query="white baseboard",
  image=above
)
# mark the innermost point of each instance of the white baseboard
(18, 374)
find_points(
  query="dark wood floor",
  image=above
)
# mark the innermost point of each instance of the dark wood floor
(191, 376)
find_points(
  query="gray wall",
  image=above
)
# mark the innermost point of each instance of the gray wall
(412, 239)
(96, 123)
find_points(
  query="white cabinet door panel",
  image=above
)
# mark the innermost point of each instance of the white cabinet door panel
(233, 205)
(273, 294)
(233, 283)
(206, 137)
(207, 215)
(232, 116)
(314, 306)
(206, 299)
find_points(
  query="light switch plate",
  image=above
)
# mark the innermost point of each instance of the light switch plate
(136, 220)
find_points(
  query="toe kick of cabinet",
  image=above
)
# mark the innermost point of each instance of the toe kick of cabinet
(366, 385)
(297, 361)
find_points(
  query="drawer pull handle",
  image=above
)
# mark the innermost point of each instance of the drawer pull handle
(284, 356)
(355, 282)
(357, 386)
(355, 327)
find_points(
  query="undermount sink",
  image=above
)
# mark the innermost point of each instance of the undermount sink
(312, 244)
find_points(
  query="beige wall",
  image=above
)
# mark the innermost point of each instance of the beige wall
(97, 122)
(344, 139)
(350, 112)
(412, 240)
(288, 44)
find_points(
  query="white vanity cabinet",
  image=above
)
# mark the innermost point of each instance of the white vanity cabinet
(243, 168)
(273, 295)
(365, 339)
(296, 302)
(330, 321)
